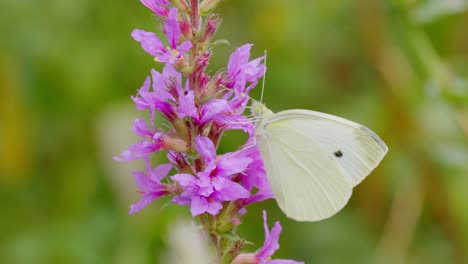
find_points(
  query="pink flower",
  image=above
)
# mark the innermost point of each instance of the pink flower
(149, 184)
(153, 45)
(270, 246)
(255, 176)
(152, 142)
(167, 95)
(241, 71)
(156, 100)
(159, 7)
(213, 109)
(242, 76)
(213, 185)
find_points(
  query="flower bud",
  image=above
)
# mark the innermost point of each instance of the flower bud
(208, 5)
(181, 128)
(179, 160)
(211, 25)
(185, 28)
(181, 5)
(175, 144)
(245, 258)
(201, 63)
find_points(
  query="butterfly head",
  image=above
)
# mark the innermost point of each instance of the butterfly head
(258, 109)
(260, 113)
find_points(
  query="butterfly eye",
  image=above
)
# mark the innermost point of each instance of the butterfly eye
(338, 154)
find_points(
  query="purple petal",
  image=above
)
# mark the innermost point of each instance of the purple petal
(254, 69)
(218, 183)
(141, 128)
(143, 182)
(142, 148)
(146, 85)
(126, 155)
(284, 261)
(185, 179)
(172, 29)
(172, 74)
(205, 148)
(157, 6)
(160, 87)
(199, 205)
(206, 188)
(160, 172)
(159, 80)
(183, 199)
(138, 150)
(214, 207)
(254, 175)
(141, 103)
(165, 57)
(149, 42)
(237, 59)
(185, 46)
(229, 164)
(144, 201)
(238, 122)
(231, 191)
(271, 240)
(252, 72)
(213, 108)
(187, 104)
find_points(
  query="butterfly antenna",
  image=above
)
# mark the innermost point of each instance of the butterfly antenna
(264, 75)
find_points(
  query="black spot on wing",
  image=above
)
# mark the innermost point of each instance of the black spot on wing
(338, 154)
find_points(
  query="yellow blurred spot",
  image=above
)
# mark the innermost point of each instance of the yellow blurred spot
(271, 22)
(15, 145)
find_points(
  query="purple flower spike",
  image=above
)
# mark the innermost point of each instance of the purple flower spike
(159, 7)
(153, 45)
(149, 185)
(197, 106)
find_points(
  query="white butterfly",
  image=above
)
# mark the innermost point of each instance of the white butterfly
(313, 160)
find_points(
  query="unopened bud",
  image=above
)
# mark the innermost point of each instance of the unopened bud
(211, 25)
(181, 128)
(181, 5)
(201, 63)
(208, 5)
(245, 258)
(185, 28)
(175, 144)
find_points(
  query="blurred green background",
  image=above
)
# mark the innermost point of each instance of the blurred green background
(68, 69)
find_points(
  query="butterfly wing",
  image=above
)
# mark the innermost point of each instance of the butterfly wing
(300, 150)
(308, 185)
(357, 149)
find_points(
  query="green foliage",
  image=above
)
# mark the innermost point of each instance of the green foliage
(67, 69)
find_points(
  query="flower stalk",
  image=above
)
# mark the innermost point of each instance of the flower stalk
(194, 15)
(199, 108)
